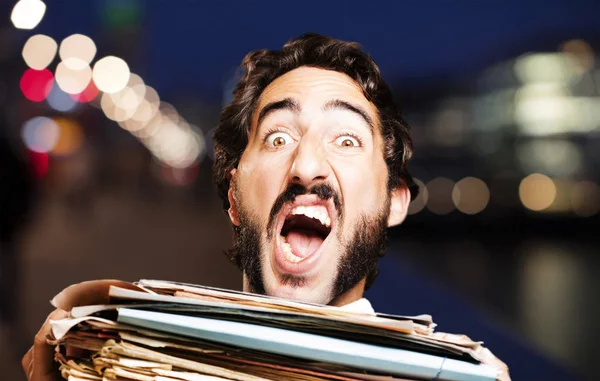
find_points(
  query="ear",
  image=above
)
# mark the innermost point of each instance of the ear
(400, 199)
(233, 207)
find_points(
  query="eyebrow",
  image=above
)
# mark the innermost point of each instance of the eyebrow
(284, 104)
(291, 105)
(343, 105)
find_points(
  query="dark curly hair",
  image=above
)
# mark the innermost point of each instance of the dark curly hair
(261, 67)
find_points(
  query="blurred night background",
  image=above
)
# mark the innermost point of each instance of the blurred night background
(106, 174)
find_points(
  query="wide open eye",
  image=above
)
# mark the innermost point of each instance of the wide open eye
(347, 141)
(279, 139)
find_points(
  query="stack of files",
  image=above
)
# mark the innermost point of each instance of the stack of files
(167, 331)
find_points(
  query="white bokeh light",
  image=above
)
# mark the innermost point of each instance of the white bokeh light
(78, 46)
(113, 111)
(111, 74)
(27, 14)
(131, 96)
(39, 51)
(73, 75)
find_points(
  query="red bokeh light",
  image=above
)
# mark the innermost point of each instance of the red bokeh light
(39, 163)
(179, 176)
(87, 95)
(36, 84)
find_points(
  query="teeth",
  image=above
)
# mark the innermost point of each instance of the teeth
(310, 212)
(298, 210)
(318, 212)
(287, 252)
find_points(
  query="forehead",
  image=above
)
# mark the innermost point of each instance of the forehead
(311, 86)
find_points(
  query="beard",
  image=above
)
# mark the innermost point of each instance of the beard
(359, 255)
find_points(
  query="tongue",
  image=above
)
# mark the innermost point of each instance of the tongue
(303, 242)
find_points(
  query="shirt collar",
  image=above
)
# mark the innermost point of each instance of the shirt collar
(362, 306)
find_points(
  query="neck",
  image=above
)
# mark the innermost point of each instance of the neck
(352, 295)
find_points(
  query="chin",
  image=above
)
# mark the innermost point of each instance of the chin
(303, 250)
(302, 293)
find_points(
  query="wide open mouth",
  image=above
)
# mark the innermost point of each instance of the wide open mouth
(304, 230)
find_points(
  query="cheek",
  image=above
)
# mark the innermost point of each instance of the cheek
(363, 184)
(261, 181)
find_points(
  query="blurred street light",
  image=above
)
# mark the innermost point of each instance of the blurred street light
(111, 74)
(78, 46)
(420, 201)
(40, 134)
(60, 101)
(537, 192)
(581, 53)
(73, 75)
(36, 84)
(27, 14)
(39, 51)
(70, 137)
(470, 195)
(536, 68)
(88, 94)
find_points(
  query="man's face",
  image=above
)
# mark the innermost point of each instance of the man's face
(309, 195)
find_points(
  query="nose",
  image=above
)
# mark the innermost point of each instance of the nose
(310, 164)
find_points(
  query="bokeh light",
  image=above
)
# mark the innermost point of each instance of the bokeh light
(581, 53)
(470, 195)
(145, 130)
(88, 94)
(113, 111)
(537, 192)
(40, 134)
(60, 101)
(440, 195)
(538, 68)
(73, 75)
(111, 74)
(149, 129)
(77, 46)
(585, 198)
(556, 157)
(131, 96)
(148, 107)
(39, 51)
(152, 96)
(175, 145)
(420, 201)
(561, 202)
(70, 137)
(169, 111)
(144, 113)
(544, 109)
(39, 163)
(27, 14)
(36, 84)
(179, 176)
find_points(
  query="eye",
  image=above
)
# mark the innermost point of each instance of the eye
(279, 139)
(347, 141)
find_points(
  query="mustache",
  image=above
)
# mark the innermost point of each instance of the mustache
(324, 191)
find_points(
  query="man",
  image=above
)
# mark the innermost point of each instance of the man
(311, 163)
